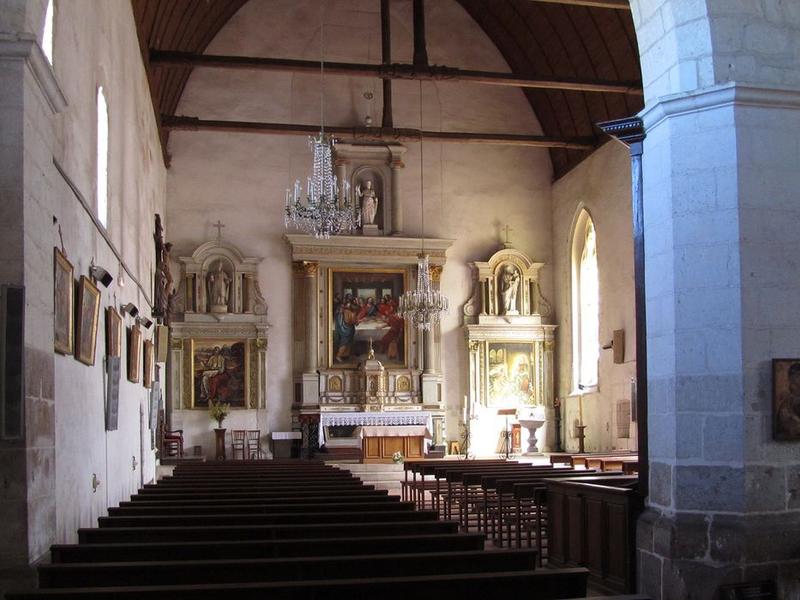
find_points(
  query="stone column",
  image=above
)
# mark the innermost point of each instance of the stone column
(306, 282)
(723, 284)
(397, 207)
(431, 377)
(341, 175)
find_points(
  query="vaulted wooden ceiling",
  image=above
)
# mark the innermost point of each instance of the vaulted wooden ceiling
(563, 39)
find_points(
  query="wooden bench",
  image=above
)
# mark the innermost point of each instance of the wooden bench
(232, 549)
(345, 566)
(214, 509)
(531, 585)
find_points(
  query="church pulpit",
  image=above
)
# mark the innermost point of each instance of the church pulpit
(220, 439)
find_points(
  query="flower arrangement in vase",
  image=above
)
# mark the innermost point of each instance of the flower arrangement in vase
(218, 411)
(397, 457)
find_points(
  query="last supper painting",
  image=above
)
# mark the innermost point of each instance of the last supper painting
(363, 307)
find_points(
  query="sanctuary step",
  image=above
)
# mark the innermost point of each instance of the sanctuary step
(382, 476)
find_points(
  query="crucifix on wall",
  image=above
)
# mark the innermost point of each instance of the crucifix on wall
(507, 229)
(219, 226)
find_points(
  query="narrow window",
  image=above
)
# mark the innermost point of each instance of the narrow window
(585, 304)
(102, 157)
(47, 36)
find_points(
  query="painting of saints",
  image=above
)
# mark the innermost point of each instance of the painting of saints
(219, 372)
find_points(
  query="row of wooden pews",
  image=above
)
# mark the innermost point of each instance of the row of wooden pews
(281, 530)
(617, 461)
(515, 505)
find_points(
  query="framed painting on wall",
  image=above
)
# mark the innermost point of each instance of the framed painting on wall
(63, 303)
(362, 307)
(510, 373)
(148, 366)
(134, 354)
(88, 315)
(220, 372)
(113, 332)
(786, 399)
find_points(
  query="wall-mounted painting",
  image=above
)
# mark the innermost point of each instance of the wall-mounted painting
(220, 372)
(63, 307)
(786, 399)
(362, 306)
(148, 364)
(510, 373)
(134, 354)
(113, 332)
(88, 315)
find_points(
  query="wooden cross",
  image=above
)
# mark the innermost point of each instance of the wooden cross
(219, 227)
(507, 229)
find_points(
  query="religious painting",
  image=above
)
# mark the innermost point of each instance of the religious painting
(148, 364)
(786, 399)
(88, 315)
(362, 311)
(134, 354)
(510, 373)
(63, 299)
(220, 372)
(113, 332)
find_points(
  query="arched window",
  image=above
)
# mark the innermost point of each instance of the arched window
(102, 157)
(585, 304)
(47, 35)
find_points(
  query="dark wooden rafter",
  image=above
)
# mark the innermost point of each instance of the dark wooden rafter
(375, 134)
(420, 45)
(159, 59)
(612, 4)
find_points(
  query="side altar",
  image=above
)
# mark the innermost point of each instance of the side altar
(511, 347)
(353, 354)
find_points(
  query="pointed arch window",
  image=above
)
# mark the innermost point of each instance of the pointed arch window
(585, 305)
(47, 35)
(102, 157)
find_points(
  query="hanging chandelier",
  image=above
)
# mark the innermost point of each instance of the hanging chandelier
(424, 305)
(326, 209)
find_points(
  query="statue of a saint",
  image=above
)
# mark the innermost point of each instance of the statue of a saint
(369, 202)
(218, 289)
(509, 283)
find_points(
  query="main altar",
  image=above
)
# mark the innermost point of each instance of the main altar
(354, 356)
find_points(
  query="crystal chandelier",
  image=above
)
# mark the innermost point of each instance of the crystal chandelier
(326, 209)
(423, 306)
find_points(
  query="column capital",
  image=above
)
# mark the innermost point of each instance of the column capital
(305, 268)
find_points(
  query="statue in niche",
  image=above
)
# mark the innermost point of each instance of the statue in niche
(509, 284)
(219, 289)
(369, 202)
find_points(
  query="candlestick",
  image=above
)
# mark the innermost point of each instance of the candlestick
(580, 408)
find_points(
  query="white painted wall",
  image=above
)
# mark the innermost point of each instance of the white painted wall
(601, 185)
(470, 191)
(95, 43)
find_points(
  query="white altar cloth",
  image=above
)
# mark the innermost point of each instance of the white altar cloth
(332, 419)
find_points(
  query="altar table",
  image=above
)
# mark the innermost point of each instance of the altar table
(379, 443)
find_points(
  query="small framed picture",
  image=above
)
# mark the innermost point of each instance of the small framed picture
(134, 354)
(786, 399)
(113, 332)
(63, 303)
(149, 364)
(88, 314)
(453, 448)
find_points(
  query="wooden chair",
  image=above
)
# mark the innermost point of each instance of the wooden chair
(238, 437)
(254, 443)
(171, 440)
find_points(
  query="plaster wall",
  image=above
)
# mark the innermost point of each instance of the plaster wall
(471, 192)
(65, 440)
(601, 185)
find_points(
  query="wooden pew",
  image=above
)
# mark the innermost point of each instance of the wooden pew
(235, 549)
(250, 532)
(424, 467)
(282, 569)
(214, 509)
(532, 585)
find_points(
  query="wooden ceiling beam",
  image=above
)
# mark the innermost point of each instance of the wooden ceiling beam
(375, 134)
(613, 4)
(165, 59)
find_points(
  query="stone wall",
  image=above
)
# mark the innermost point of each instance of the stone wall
(65, 438)
(471, 192)
(601, 185)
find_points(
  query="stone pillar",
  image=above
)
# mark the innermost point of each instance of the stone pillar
(397, 207)
(341, 176)
(431, 377)
(310, 377)
(723, 284)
